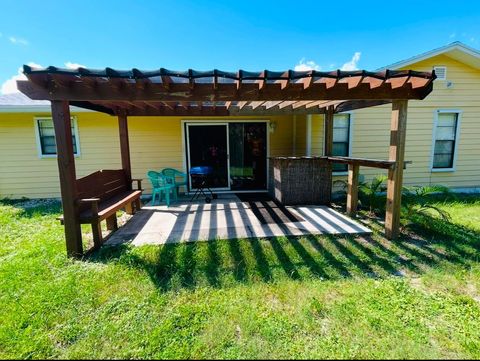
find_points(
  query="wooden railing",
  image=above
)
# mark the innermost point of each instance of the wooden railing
(353, 172)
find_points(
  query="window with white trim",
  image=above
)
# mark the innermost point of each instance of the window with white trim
(341, 139)
(46, 137)
(446, 130)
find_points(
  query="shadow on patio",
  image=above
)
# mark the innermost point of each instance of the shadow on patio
(230, 218)
(226, 263)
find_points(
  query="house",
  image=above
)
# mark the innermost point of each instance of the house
(442, 137)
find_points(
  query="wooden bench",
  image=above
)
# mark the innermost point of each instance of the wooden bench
(101, 195)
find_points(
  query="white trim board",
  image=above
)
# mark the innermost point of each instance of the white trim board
(38, 109)
(450, 48)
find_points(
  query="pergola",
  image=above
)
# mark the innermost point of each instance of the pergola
(218, 93)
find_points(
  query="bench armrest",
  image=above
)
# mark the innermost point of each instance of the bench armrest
(139, 183)
(94, 204)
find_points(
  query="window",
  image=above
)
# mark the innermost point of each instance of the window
(341, 139)
(445, 138)
(46, 137)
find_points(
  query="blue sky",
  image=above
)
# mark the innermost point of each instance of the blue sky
(228, 35)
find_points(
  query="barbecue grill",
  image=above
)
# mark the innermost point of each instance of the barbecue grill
(200, 178)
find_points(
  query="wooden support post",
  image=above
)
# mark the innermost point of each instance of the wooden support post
(66, 171)
(112, 224)
(398, 130)
(129, 209)
(352, 195)
(97, 234)
(328, 149)
(125, 147)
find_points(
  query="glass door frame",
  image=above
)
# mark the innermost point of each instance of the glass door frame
(195, 124)
(186, 148)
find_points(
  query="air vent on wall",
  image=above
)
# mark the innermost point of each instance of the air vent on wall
(440, 72)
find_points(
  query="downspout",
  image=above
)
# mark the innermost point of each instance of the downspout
(309, 135)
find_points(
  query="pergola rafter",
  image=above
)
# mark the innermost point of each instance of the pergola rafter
(213, 93)
(221, 92)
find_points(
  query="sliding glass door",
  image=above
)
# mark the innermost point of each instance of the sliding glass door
(208, 146)
(248, 156)
(236, 151)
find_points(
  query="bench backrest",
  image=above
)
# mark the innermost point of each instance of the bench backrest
(103, 184)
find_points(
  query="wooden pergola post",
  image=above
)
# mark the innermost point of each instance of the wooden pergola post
(126, 165)
(125, 146)
(398, 131)
(352, 192)
(328, 146)
(66, 170)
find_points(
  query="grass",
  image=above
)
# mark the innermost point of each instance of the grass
(308, 297)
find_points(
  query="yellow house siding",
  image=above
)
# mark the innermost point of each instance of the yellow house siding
(24, 173)
(301, 136)
(155, 143)
(281, 140)
(317, 134)
(371, 126)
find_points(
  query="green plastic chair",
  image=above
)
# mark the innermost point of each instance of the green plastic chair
(161, 185)
(177, 178)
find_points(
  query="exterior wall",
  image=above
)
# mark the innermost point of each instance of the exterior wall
(24, 174)
(301, 135)
(319, 138)
(155, 143)
(371, 129)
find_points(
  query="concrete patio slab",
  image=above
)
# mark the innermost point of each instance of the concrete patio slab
(226, 218)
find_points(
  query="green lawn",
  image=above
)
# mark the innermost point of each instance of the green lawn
(310, 297)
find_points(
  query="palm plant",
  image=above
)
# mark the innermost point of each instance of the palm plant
(371, 194)
(417, 200)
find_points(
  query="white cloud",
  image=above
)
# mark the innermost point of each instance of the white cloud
(19, 41)
(452, 35)
(10, 85)
(71, 65)
(352, 64)
(307, 65)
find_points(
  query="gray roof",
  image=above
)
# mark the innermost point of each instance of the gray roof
(19, 102)
(20, 99)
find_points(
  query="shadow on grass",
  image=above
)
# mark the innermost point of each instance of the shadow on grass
(223, 263)
(429, 242)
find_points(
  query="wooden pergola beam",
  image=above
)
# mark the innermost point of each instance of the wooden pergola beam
(398, 130)
(364, 162)
(66, 170)
(225, 92)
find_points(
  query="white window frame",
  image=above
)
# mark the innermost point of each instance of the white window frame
(459, 113)
(350, 140)
(39, 143)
